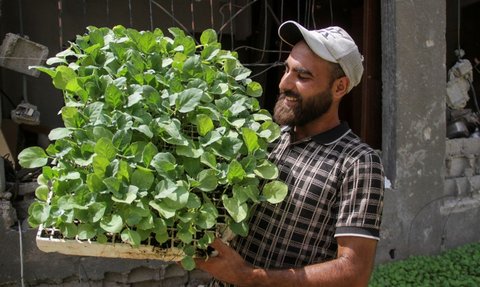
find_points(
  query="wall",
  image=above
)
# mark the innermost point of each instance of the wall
(430, 205)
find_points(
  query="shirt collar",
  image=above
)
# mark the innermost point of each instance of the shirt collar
(328, 137)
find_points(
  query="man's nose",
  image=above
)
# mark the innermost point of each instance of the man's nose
(286, 83)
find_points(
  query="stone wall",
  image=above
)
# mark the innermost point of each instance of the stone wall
(462, 177)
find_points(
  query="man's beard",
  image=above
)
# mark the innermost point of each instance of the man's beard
(305, 110)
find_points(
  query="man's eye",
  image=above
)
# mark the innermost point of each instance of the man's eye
(302, 77)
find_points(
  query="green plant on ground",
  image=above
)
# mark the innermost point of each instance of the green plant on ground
(160, 135)
(455, 267)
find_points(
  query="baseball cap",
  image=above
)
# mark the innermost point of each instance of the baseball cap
(333, 44)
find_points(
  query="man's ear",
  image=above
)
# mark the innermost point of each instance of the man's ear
(340, 87)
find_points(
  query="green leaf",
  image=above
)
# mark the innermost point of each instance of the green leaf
(129, 197)
(113, 223)
(239, 228)
(209, 160)
(251, 140)
(100, 165)
(134, 99)
(105, 148)
(131, 237)
(32, 157)
(42, 179)
(121, 139)
(86, 231)
(267, 170)
(188, 263)
(177, 199)
(185, 236)
(270, 131)
(101, 132)
(163, 209)
(235, 172)
(49, 71)
(188, 100)
(254, 89)
(246, 192)
(164, 188)
(144, 129)
(143, 179)
(206, 240)
(149, 152)
(237, 210)
(208, 36)
(147, 42)
(41, 192)
(71, 117)
(160, 229)
(208, 180)
(219, 89)
(97, 210)
(193, 201)
(135, 150)
(62, 76)
(69, 230)
(207, 216)
(39, 213)
(204, 124)
(190, 151)
(163, 162)
(228, 147)
(113, 96)
(275, 191)
(59, 133)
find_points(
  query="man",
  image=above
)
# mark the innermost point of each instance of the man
(325, 232)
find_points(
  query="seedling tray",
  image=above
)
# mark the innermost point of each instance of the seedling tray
(48, 241)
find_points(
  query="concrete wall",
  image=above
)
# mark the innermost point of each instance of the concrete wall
(430, 205)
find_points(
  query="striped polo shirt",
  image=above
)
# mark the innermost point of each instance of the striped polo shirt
(335, 184)
(335, 187)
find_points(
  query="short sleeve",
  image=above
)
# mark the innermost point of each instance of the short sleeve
(361, 198)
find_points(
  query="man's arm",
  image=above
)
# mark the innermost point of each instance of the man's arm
(351, 268)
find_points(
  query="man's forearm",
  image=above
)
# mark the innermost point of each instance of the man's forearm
(338, 272)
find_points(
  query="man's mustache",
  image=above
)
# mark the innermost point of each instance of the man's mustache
(288, 94)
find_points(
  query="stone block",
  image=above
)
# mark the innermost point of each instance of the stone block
(475, 184)
(450, 186)
(147, 284)
(173, 270)
(175, 282)
(462, 186)
(8, 215)
(115, 277)
(471, 146)
(455, 166)
(198, 278)
(453, 147)
(18, 53)
(142, 274)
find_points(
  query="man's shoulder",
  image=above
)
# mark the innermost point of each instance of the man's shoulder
(354, 148)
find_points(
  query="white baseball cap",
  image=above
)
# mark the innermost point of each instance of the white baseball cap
(332, 44)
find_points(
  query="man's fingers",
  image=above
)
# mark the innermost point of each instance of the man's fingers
(219, 245)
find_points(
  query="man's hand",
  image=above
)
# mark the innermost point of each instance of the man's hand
(228, 266)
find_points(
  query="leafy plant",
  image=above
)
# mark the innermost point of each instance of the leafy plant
(455, 267)
(160, 135)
